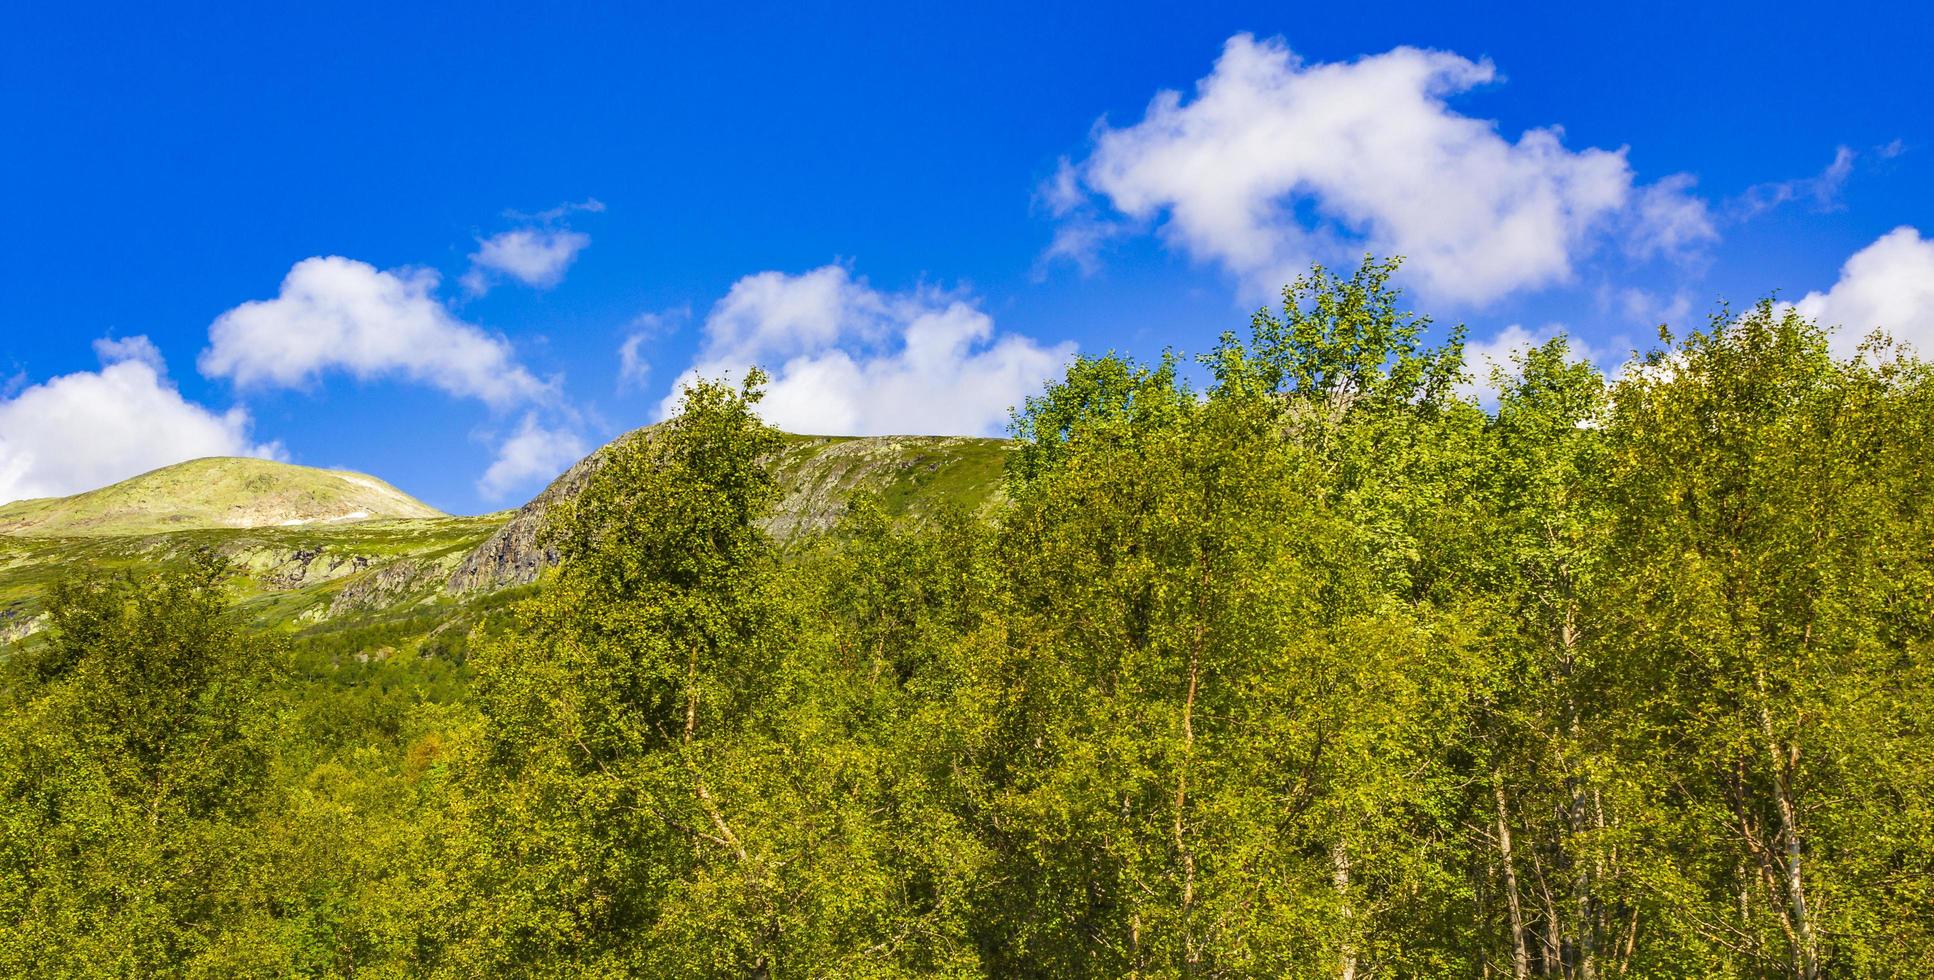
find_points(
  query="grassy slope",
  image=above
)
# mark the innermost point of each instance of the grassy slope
(914, 476)
(290, 576)
(215, 492)
(386, 580)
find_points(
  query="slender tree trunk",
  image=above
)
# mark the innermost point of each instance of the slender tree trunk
(1189, 953)
(1592, 911)
(1340, 877)
(1520, 953)
(1553, 955)
(1631, 943)
(1806, 952)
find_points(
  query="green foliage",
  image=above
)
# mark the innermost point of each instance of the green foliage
(136, 756)
(1322, 669)
(1772, 606)
(674, 777)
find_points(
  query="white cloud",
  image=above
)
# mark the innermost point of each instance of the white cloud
(1275, 162)
(633, 369)
(589, 204)
(1888, 285)
(1501, 351)
(633, 366)
(135, 348)
(1078, 239)
(532, 256)
(91, 428)
(340, 314)
(1668, 219)
(532, 456)
(1646, 309)
(847, 359)
(1822, 189)
(1062, 193)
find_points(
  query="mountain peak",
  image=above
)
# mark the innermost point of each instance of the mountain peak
(216, 492)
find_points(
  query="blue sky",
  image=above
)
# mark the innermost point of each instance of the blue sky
(457, 246)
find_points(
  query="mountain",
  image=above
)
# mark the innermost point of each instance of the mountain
(218, 492)
(818, 475)
(328, 550)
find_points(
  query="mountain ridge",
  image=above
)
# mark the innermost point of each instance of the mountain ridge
(818, 475)
(306, 574)
(215, 492)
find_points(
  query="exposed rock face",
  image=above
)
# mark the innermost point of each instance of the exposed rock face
(817, 475)
(17, 622)
(913, 474)
(307, 566)
(303, 573)
(514, 555)
(389, 585)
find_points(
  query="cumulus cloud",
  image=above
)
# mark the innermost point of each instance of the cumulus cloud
(847, 359)
(1501, 351)
(1889, 285)
(533, 256)
(88, 429)
(1274, 162)
(533, 455)
(338, 314)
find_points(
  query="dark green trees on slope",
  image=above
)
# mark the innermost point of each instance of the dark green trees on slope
(1321, 670)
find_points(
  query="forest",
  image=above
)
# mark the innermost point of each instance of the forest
(1296, 658)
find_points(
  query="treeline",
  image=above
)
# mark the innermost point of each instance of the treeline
(1321, 669)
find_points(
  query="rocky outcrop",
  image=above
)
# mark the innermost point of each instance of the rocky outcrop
(818, 476)
(19, 621)
(516, 554)
(307, 574)
(389, 585)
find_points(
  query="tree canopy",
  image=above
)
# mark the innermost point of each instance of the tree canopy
(1298, 659)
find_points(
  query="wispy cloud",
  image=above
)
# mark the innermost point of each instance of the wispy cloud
(536, 254)
(533, 256)
(1821, 191)
(634, 367)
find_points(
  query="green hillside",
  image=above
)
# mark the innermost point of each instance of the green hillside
(913, 476)
(402, 565)
(214, 493)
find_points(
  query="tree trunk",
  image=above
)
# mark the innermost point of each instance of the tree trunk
(1520, 953)
(1190, 954)
(1592, 912)
(1552, 948)
(1340, 876)
(1806, 951)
